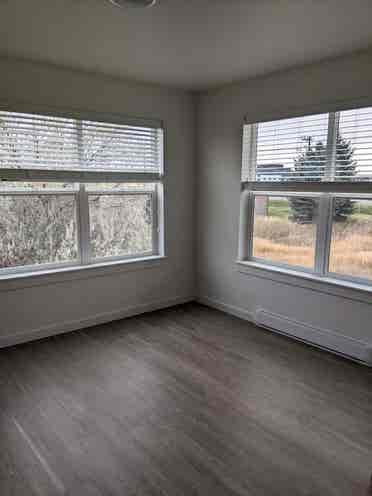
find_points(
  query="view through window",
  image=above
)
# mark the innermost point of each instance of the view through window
(311, 202)
(278, 236)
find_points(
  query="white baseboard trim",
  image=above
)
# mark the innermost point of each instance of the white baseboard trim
(101, 318)
(324, 339)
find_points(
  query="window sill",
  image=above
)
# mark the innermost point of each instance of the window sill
(335, 287)
(20, 280)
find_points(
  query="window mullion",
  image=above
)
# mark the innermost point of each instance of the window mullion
(155, 221)
(327, 243)
(323, 234)
(330, 166)
(84, 225)
(160, 218)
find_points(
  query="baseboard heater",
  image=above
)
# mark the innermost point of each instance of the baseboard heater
(322, 338)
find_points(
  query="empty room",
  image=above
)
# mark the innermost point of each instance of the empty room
(185, 248)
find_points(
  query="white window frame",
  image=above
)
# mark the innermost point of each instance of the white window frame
(326, 191)
(81, 195)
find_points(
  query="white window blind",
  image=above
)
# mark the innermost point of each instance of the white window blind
(335, 146)
(41, 142)
(78, 189)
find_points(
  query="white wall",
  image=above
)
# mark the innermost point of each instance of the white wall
(56, 303)
(220, 117)
(50, 304)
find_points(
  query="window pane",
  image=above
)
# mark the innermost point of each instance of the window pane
(354, 145)
(285, 229)
(37, 229)
(120, 224)
(291, 149)
(351, 243)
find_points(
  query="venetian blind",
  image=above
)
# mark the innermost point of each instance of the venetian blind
(334, 146)
(43, 142)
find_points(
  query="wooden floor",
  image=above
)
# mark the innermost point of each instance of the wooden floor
(183, 401)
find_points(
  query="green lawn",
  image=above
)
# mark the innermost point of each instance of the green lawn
(362, 211)
(279, 208)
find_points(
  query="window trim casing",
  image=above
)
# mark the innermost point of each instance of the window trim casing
(35, 175)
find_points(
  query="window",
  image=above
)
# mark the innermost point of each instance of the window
(77, 192)
(307, 194)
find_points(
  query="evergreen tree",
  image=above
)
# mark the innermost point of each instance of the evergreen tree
(310, 166)
(345, 167)
(311, 161)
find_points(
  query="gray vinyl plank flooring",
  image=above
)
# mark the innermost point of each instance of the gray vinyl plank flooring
(182, 401)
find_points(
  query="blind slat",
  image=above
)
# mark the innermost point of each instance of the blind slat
(321, 147)
(47, 121)
(33, 141)
(72, 133)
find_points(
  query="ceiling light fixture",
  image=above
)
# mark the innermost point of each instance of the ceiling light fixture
(133, 3)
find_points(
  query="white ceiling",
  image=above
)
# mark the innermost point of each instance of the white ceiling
(194, 44)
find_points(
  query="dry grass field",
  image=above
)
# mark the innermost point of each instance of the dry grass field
(278, 239)
(351, 248)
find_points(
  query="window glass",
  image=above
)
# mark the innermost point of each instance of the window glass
(121, 224)
(37, 229)
(351, 241)
(285, 229)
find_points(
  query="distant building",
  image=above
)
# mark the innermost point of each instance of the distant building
(362, 177)
(272, 172)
